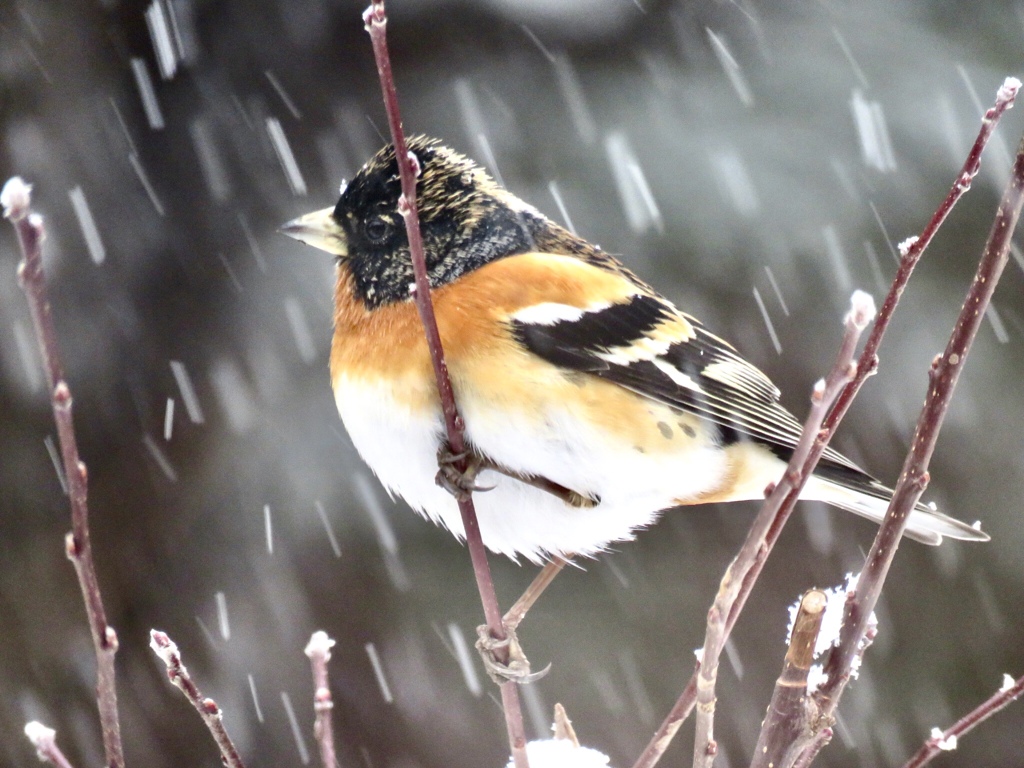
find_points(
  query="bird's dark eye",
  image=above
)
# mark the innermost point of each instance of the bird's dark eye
(377, 229)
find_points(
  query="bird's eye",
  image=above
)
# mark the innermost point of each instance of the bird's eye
(377, 229)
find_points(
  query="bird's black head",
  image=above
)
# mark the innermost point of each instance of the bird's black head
(467, 220)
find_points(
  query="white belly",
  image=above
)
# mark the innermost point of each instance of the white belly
(517, 519)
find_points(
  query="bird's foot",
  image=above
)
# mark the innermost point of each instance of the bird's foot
(516, 667)
(459, 483)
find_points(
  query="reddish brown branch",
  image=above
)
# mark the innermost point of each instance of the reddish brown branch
(947, 739)
(45, 741)
(915, 247)
(212, 715)
(375, 20)
(15, 200)
(784, 730)
(319, 653)
(866, 367)
(943, 378)
(777, 508)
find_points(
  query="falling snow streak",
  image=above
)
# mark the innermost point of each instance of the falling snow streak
(328, 527)
(300, 329)
(731, 173)
(26, 345)
(211, 165)
(222, 615)
(300, 740)
(378, 671)
(58, 462)
(136, 165)
(557, 195)
(147, 93)
(268, 528)
(844, 282)
(188, 392)
(255, 698)
(638, 203)
(371, 503)
(768, 322)
(998, 326)
(160, 458)
(572, 94)
(168, 419)
(285, 156)
(731, 67)
(160, 34)
(538, 712)
(467, 664)
(857, 71)
(88, 225)
(283, 95)
(873, 133)
(775, 287)
(233, 394)
(876, 267)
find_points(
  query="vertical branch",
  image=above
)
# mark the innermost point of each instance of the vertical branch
(319, 653)
(943, 377)
(15, 198)
(375, 19)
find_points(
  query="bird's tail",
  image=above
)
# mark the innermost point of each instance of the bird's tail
(868, 498)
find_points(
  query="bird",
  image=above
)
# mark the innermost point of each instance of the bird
(591, 404)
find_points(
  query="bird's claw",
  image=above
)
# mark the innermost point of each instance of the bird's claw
(459, 484)
(516, 669)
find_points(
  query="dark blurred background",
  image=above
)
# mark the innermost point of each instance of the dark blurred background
(734, 152)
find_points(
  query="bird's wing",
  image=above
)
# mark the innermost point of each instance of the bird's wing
(645, 344)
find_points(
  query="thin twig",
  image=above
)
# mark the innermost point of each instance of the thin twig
(947, 739)
(15, 198)
(319, 653)
(776, 509)
(943, 376)
(165, 648)
(784, 730)
(375, 20)
(683, 706)
(910, 255)
(515, 614)
(45, 741)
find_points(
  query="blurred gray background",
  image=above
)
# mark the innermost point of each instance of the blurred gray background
(724, 148)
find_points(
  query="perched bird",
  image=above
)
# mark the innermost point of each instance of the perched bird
(590, 402)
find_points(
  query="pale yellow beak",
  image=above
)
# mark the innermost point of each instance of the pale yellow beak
(320, 230)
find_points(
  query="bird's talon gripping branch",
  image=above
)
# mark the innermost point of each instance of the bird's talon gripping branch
(517, 668)
(459, 483)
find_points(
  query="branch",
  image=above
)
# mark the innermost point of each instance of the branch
(212, 715)
(319, 653)
(375, 20)
(15, 198)
(774, 512)
(947, 739)
(784, 730)
(45, 741)
(943, 378)
(866, 367)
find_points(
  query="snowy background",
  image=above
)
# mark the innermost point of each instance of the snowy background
(779, 149)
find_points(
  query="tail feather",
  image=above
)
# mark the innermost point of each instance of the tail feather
(865, 496)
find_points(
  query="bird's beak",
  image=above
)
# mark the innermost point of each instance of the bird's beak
(320, 230)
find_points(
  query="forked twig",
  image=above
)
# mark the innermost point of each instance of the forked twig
(207, 708)
(319, 652)
(375, 20)
(943, 377)
(868, 363)
(777, 508)
(15, 198)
